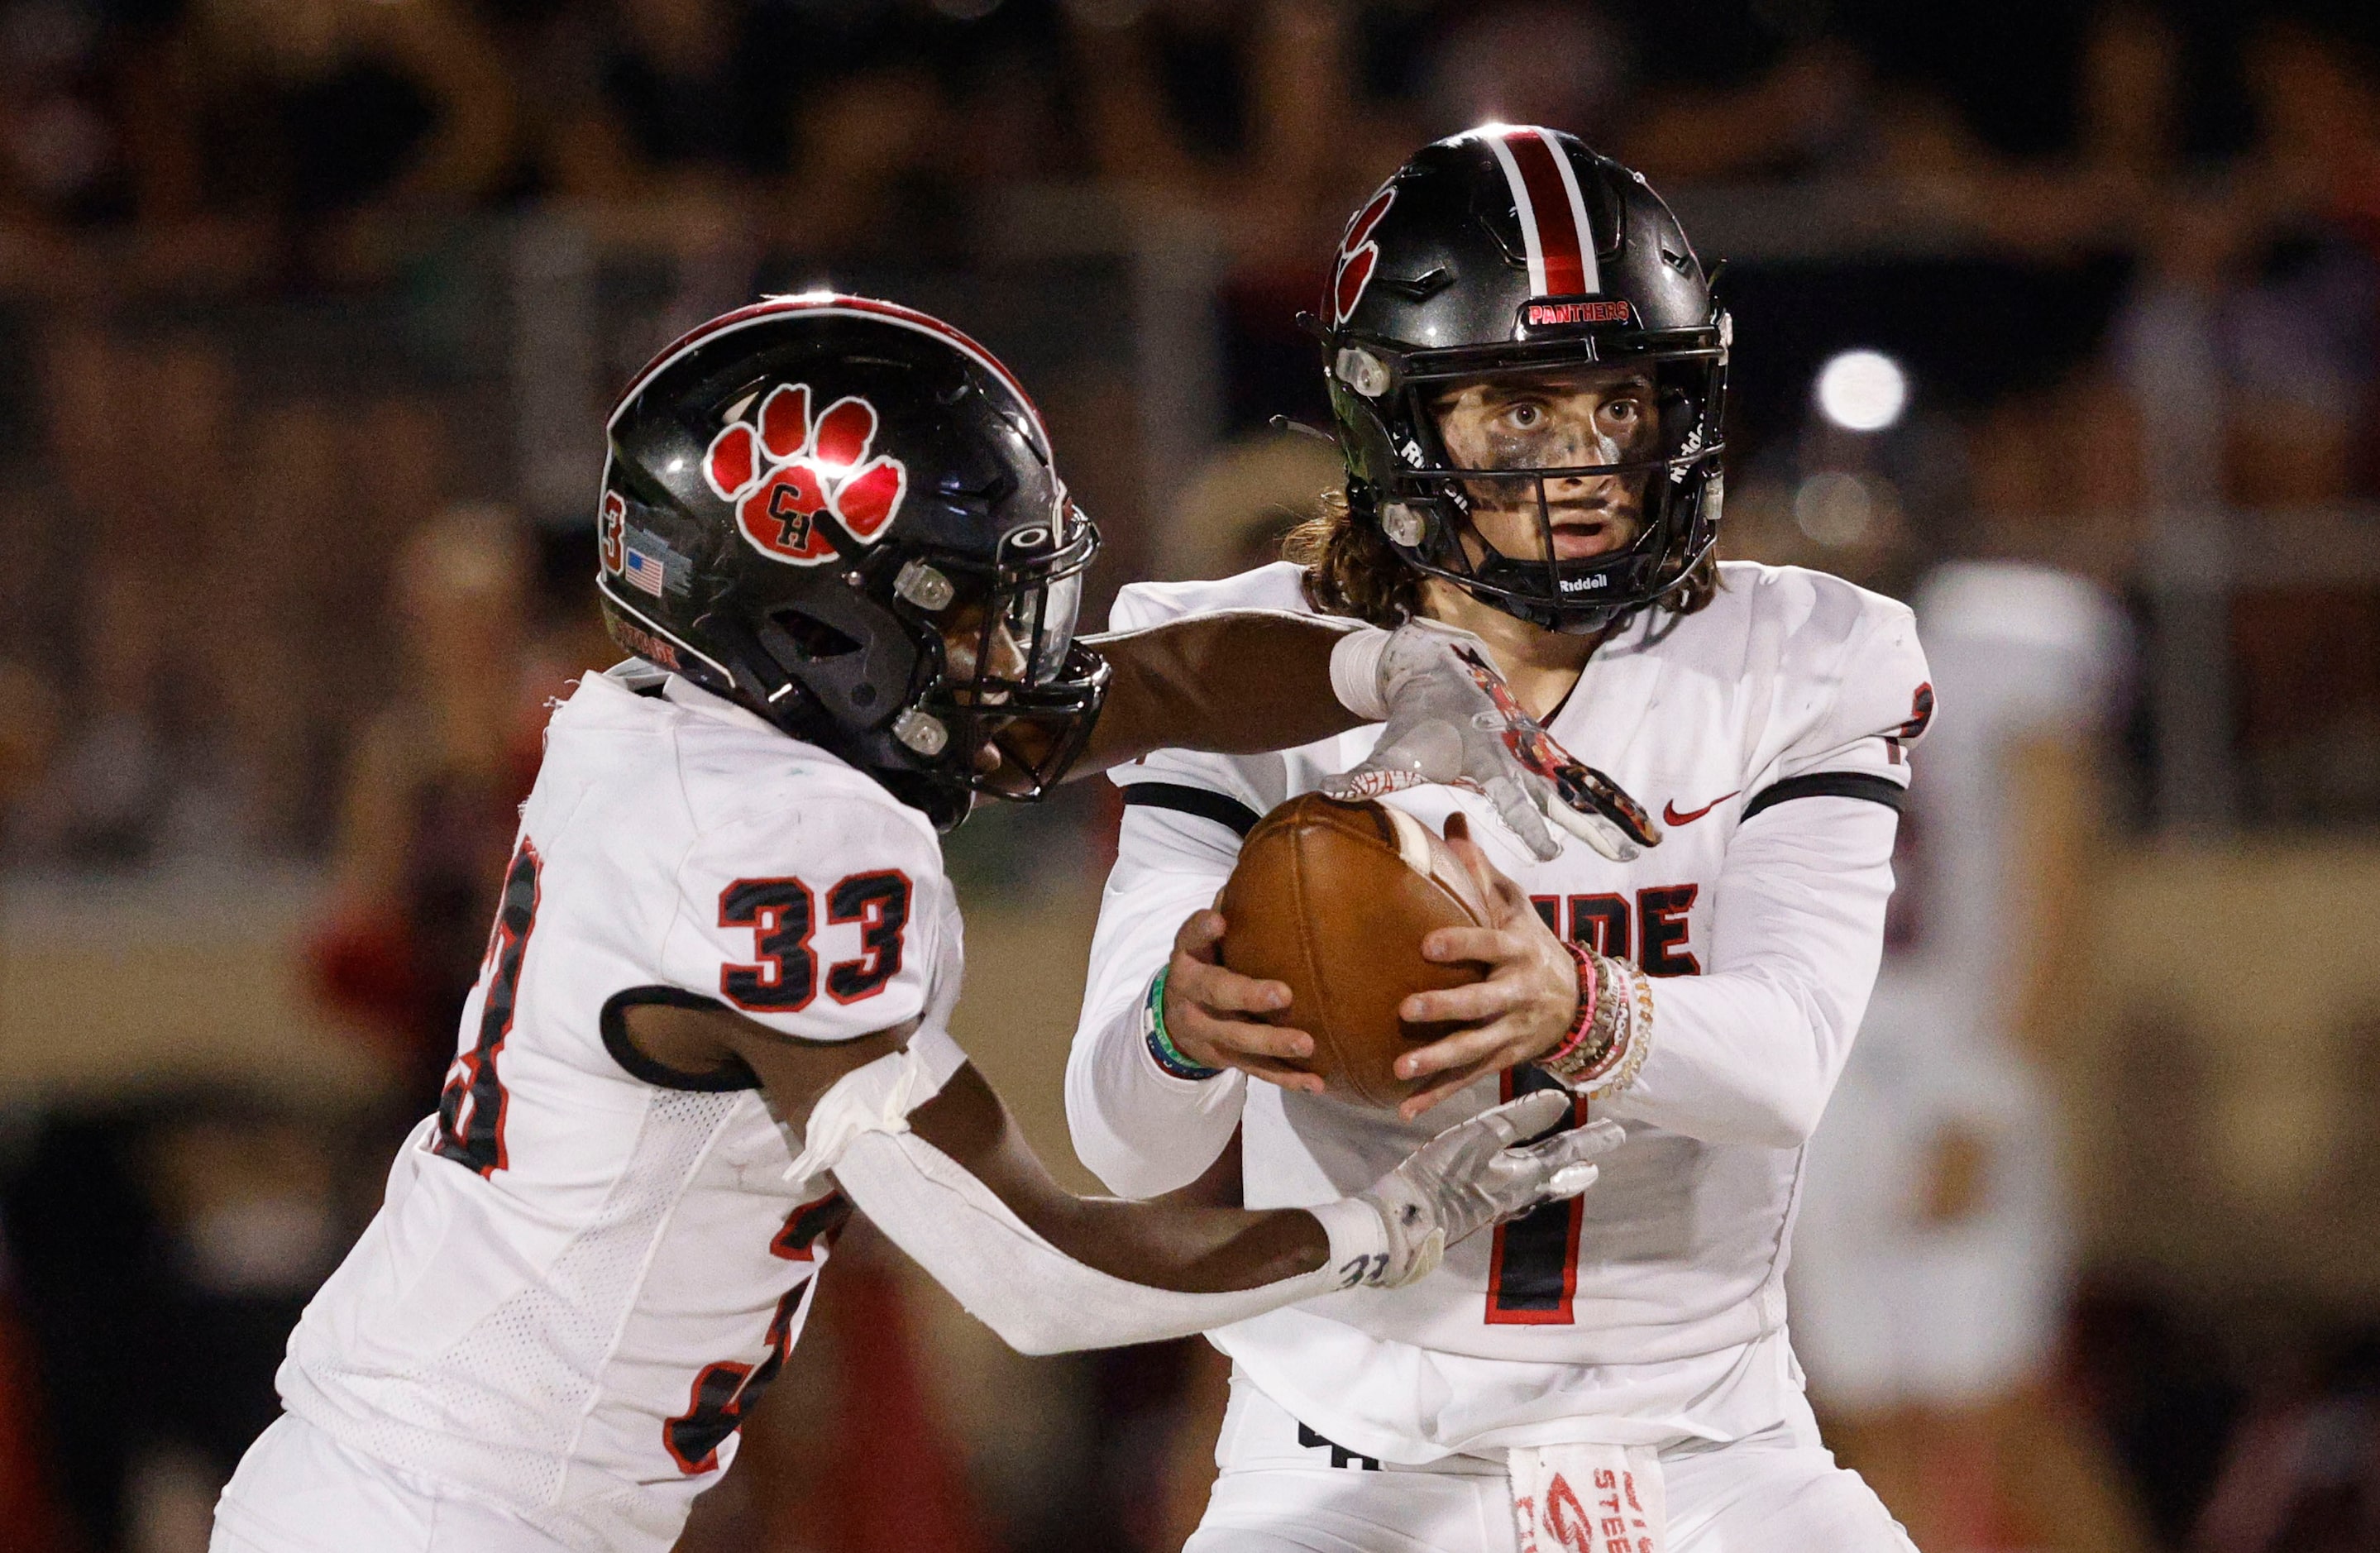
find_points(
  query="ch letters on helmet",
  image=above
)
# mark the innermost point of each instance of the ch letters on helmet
(789, 473)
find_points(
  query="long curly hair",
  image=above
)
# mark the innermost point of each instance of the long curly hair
(1351, 569)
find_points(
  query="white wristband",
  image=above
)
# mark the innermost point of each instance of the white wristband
(1359, 1241)
(1355, 673)
(873, 1097)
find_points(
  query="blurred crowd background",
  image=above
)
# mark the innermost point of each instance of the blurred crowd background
(309, 310)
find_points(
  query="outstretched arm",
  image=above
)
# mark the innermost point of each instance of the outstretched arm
(1240, 682)
(1176, 1242)
(1237, 681)
(936, 1162)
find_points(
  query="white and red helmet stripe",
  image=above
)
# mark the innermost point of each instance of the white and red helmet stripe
(831, 304)
(1554, 230)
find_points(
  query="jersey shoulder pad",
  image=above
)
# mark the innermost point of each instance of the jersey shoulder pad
(1817, 612)
(732, 777)
(1277, 585)
(1851, 687)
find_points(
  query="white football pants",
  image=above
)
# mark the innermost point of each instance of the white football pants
(297, 1490)
(1775, 1492)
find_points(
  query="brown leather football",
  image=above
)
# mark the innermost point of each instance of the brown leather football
(1334, 899)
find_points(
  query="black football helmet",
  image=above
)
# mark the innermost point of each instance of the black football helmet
(1512, 249)
(815, 506)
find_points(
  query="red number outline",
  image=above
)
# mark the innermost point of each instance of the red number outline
(883, 933)
(725, 1390)
(1532, 1231)
(472, 1101)
(769, 986)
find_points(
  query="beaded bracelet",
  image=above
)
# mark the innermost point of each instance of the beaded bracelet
(1161, 1050)
(1640, 1045)
(1589, 986)
(1605, 1059)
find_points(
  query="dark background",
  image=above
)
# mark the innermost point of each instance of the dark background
(309, 310)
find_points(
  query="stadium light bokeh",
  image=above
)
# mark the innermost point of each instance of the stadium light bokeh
(1862, 390)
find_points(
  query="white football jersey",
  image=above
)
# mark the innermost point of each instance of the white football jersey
(1767, 733)
(1890, 1305)
(588, 1265)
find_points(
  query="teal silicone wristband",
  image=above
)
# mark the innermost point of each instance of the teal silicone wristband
(1162, 1048)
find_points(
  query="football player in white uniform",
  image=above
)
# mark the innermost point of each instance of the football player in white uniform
(1934, 1253)
(712, 1017)
(1525, 366)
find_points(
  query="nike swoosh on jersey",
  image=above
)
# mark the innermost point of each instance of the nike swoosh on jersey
(1669, 815)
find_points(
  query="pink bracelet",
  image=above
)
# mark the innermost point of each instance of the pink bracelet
(1587, 987)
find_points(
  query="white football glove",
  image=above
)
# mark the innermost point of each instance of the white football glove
(1471, 1176)
(1452, 719)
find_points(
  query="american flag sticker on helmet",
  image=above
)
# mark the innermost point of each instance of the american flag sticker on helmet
(642, 569)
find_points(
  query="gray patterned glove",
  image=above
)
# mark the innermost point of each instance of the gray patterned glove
(1470, 1177)
(1452, 719)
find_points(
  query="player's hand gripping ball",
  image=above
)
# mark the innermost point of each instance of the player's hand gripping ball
(1333, 900)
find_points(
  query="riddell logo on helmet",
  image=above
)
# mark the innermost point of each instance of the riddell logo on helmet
(1561, 314)
(789, 476)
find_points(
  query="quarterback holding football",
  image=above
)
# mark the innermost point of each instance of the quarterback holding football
(714, 1016)
(1526, 369)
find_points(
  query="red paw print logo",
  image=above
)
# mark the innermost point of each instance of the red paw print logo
(790, 475)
